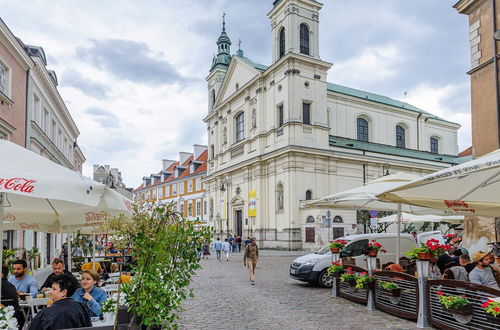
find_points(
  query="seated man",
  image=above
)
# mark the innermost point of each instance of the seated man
(65, 312)
(57, 269)
(482, 274)
(22, 281)
(465, 262)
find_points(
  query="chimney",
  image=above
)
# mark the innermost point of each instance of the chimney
(183, 156)
(198, 150)
(166, 163)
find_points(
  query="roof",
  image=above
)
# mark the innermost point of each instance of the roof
(257, 66)
(337, 141)
(466, 152)
(380, 99)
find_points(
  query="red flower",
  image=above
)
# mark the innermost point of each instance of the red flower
(378, 244)
(464, 296)
(485, 304)
(363, 274)
(496, 309)
(440, 293)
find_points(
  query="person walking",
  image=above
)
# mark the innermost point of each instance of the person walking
(250, 258)
(206, 250)
(238, 241)
(218, 248)
(234, 245)
(226, 247)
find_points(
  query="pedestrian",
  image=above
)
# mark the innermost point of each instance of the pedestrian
(234, 245)
(218, 248)
(206, 250)
(247, 242)
(250, 259)
(238, 241)
(226, 247)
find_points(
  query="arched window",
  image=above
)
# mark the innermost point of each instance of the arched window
(309, 195)
(282, 42)
(213, 98)
(434, 145)
(310, 219)
(362, 129)
(400, 137)
(280, 203)
(304, 39)
(240, 127)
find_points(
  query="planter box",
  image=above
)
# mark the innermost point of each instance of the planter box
(391, 293)
(493, 319)
(372, 253)
(334, 250)
(464, 311)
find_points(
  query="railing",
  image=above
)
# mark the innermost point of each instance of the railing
(476, 295)
(405, 304)
(351, 293)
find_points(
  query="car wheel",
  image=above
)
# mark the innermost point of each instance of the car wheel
(325, 280)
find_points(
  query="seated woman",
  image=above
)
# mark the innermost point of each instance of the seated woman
(89, 293)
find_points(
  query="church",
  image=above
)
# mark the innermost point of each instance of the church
(281, 135)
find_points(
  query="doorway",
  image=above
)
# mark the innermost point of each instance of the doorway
(239, 222)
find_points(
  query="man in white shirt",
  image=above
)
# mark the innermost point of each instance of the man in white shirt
(226, 247)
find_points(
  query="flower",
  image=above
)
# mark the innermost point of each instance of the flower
(496, 309)
(485, 304)
(440, 293)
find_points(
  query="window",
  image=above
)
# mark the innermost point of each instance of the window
(161, 193)
(310, 219)
(212, 151)
(190, 209)
(354, 249)
(53, 132)
(190, 185)
(434, 145)
(280, 198)
(4, 136)
(362, 129)
(282, 43)
(37, 115)
(45, 122)
(310, 235)
(181, 207)
(153, 194)
(167, 191)
(181, 188)
(237, 86)
(224, 135)
(240, 127)
(211, 208)
(3, 79)
(306, 113)
(213, 98)
(280, 115)
(205, 207)
(198, 208)
(400, 137)
(309, 195)
(174, 189)
(304, 39)
(198, 184)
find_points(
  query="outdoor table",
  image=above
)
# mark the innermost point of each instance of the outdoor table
(28, 307)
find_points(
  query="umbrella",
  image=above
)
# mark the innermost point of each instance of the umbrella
(412, 218)
(38, 194)
(471, 188)
(365, 197)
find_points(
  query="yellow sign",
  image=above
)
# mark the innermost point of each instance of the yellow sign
(252, 203)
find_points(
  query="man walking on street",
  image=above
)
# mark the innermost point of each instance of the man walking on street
(218, 248)
(226, 247)
(250, 259)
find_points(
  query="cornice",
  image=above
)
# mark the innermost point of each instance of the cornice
(12, 44)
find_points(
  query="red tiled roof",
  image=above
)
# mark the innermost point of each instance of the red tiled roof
(466, 152)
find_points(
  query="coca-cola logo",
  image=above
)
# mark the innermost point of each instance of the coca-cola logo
(29, 226)
(9, 217)
(96, 216)
(18, 184)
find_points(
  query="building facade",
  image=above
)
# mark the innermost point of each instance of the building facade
(281, 135)
(111, 177)
(179, 182)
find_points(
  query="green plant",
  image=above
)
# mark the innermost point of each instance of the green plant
(163, 245)
(348, 276)
(388, 285)
(336, 267)
(33, 253)
(364, 279)
(108, 306)
(452, 302)
(492, 307)
(414, 253)
(338, 244)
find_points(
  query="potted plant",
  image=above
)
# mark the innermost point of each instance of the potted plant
(457, 305)
(429, 251)
(108, 309)
(33, 255)
(7, 319)
(337, 245)
(492, 310)
(365, 281)
(336, 269)
(349, 277)
(389, 288)
(373, 248)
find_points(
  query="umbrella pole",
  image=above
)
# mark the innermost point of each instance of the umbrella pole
(70, 253)
(398, 242)
(2, 203)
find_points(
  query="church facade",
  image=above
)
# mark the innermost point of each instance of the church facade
(280, 136)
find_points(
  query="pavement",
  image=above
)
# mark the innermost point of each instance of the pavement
(224, 299)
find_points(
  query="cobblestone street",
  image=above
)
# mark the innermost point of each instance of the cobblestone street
(224, 299)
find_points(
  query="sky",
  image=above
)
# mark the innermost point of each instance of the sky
(132, 73)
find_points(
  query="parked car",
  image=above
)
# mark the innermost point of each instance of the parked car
(313, 267)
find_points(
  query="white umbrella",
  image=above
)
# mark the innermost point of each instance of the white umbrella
(38, 194)
(413, 218)
(471, 188)
(365, 197)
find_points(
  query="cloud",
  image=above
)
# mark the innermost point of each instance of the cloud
(130, 60)
(105, 118)
(75, 79)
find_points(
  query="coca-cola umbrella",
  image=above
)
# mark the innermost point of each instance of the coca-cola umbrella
(38, 194)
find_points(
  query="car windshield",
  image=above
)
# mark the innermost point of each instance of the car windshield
(326, 249)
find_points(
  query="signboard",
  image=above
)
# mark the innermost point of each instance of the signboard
(373, 213)
(373, 223)
(252, 203)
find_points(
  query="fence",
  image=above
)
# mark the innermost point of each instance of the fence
(405, 303)
(351, 293)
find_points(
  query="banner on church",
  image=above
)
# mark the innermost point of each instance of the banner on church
(252, 203)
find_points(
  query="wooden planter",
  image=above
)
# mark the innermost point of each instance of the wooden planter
(372, 253)
(335, 250)
(391, 293)
(493, 319)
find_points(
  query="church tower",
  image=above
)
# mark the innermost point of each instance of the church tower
(220, 63)
(295, 28)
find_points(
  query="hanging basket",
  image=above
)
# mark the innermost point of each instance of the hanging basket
(462, 315)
